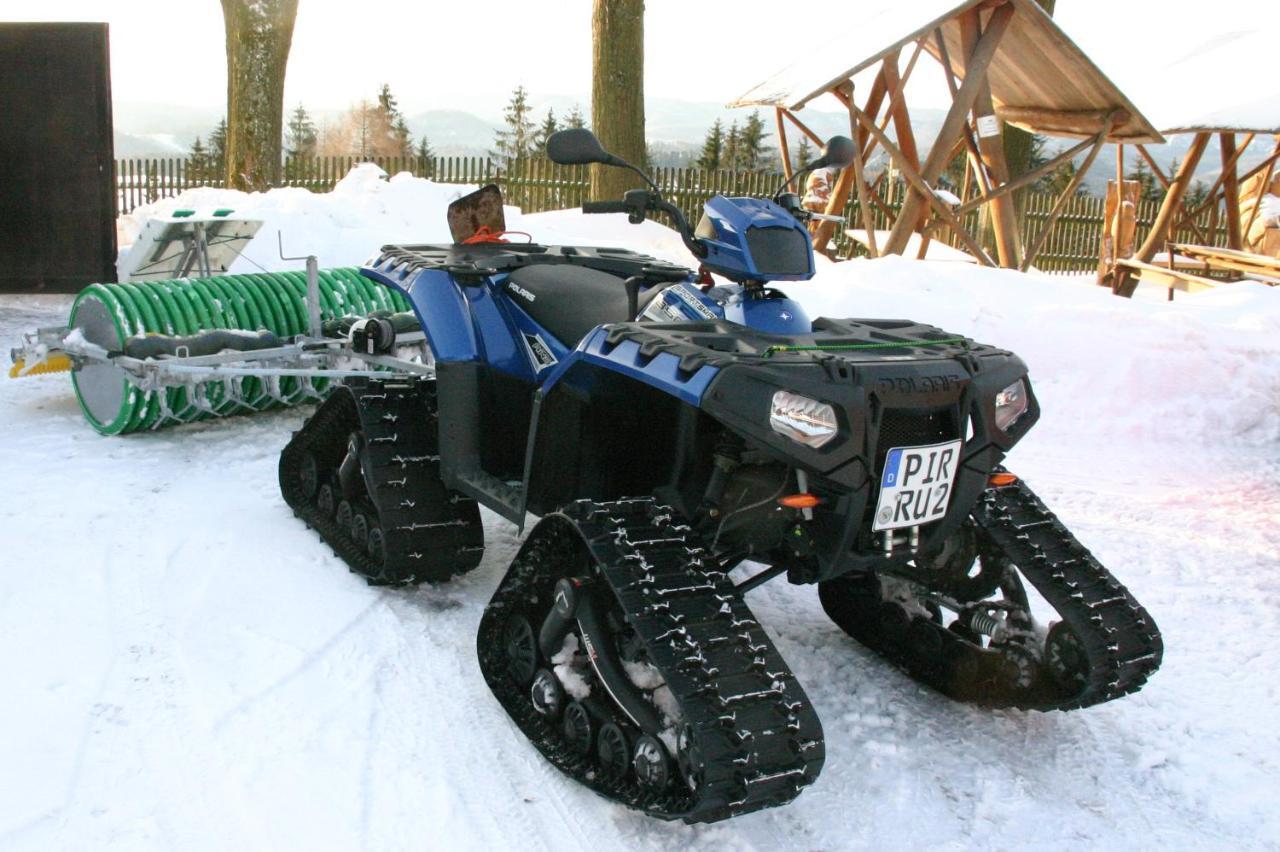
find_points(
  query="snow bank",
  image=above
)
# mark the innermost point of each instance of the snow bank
(1205, 367)
(1202, 368)
(364, 211)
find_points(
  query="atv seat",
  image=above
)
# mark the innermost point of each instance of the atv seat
(569, 301)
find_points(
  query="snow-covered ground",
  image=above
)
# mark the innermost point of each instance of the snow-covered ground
(185, 665)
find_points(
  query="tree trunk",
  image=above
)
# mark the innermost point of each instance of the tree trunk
(617, 92)
(259, 33)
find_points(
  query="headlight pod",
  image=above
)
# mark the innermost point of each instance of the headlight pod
(803, 420)
(1011, 403)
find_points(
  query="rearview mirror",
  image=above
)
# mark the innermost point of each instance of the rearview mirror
(837, 153)
(576, 146)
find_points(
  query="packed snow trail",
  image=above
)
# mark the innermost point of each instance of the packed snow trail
(187, 666)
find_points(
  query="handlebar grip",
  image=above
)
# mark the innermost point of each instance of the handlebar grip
(605, 207)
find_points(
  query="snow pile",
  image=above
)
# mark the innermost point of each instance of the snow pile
(365, 211)
(1205, 367)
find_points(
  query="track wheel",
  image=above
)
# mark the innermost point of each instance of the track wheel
(692, 766)
(376, 546)
(522, 649)
(547, 694)
(308, 475)
(613, 751)
(653, 767)
(579, 730)
(359, 530)
(343, 517)
(1066, 659)
(326, 500)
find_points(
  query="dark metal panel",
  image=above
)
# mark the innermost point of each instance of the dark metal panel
(57, 210)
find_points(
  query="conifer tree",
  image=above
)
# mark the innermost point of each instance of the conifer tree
(300, 134)
(426, 157)
(198, 162)
(575, 118)
(218, 151)
(804, 153)
(516, 141)
(730, 154)
(712, 147)
(751, 149)
(543, 133)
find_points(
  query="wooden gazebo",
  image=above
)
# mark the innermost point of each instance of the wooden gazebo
(1222, 88)
(1003, 61)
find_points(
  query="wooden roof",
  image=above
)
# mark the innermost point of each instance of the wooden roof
(1040, 79)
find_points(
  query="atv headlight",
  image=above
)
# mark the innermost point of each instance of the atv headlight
(801, 419)
(1011, 403)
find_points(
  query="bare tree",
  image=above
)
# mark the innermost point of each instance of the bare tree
(617, 91)
(259, 34)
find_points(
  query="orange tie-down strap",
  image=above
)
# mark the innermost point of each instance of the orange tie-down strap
(485, 235)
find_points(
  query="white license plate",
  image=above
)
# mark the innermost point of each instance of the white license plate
(915, 486)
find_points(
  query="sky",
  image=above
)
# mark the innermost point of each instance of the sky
(469, 55)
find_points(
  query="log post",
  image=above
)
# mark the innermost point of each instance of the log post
(1124, 282)
(783, 148)
(1004, 213)
(1231, 190)
(914, 203)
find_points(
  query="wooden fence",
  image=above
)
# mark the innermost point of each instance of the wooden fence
(537, 184)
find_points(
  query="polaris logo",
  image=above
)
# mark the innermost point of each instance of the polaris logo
(919, 384)
(521, 292)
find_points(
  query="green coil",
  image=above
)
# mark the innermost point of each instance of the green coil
(109, 314)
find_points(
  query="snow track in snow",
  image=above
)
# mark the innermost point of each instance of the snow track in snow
(186, 666)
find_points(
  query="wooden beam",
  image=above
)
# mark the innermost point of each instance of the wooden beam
(952, 125)
(1027, 178)
(1229, 165)
(1067, 193)
(783, 148)
(875, 100)
(1123, 283)
(975, 156)
(1004, 215)
(1231, 188)
(1186, 217)
(1062, 122)
(1155, 167)
(1265, 164)
(840, 194)
(860, 183)
(898, 109)
(921, 186)
(800, 125)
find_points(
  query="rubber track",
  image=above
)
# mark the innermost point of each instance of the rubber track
(1121, 643)
(759, 738)
(431, 533)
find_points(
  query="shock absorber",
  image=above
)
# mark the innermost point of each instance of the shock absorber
(983, 622)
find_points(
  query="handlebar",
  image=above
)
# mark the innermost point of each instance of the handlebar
(605, 207)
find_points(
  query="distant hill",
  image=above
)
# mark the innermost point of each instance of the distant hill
(675, 129)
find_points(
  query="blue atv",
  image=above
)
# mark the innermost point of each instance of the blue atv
(682, 441)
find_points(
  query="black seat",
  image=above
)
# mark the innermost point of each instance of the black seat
(569, 301)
